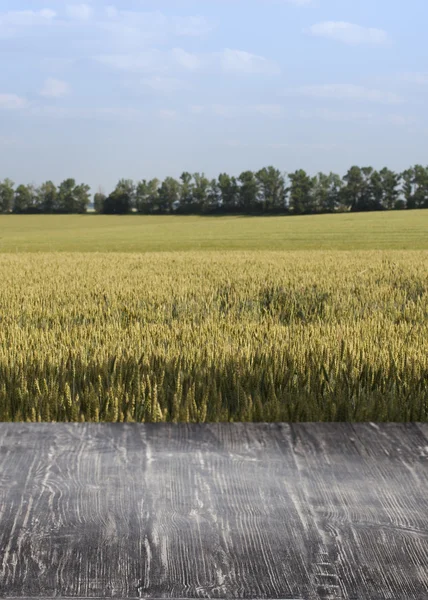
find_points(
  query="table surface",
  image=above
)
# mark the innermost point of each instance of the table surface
(305, 511)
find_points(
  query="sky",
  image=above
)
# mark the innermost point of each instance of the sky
(138, 89)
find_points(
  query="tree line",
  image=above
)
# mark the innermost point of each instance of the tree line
(267, 191)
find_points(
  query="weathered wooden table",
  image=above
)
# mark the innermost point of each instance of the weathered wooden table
(214, 511)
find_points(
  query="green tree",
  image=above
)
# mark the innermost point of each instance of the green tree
(169, 195)
(186, 192)
(358, 192)
(121, 200)
(147, 196)
(248, 191)
(200, 192)
(82, 197)
(127, 187)
(327, 192)
(390, 184)
(301, 193)
(66, 199)
(321, 193)
(99, 200)
(72, 198)
(420, 180)
(214, 196)
(229, 189)
(408, 188)
(47, 198)
(376, 192)
(271, 189)
(6, 196)
(24, 199)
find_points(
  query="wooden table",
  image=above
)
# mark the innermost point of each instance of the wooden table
(310, 511)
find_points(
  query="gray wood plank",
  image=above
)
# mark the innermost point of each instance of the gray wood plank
(304, 511)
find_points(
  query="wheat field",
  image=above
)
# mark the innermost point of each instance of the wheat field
(214, 336)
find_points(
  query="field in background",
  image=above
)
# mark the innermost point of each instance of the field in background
(252, 336)
(397, 230)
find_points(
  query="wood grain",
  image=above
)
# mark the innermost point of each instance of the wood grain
(307, 511)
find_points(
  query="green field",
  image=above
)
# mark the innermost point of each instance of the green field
(397, 230)
(309, 319)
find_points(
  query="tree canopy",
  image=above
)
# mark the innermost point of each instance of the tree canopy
(267, 191)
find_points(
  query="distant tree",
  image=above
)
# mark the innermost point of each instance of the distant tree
(169, 195)
(99, 200)
(376, 192)
(320, 193)
(6, 196)
(214, 196)
(229, 189)
(24, 201)
(200, 192)
(127, 187)
(415, 187)
(390, 184)
(265, 192)
(72, 198)
(121, 200)
(248, 192)
(82, 198)
(420, 180)
(186, 193)
(326, 192)
(116, 203)
(408, 188)
(353, 189)
(147, 196)
(66, 200)
(47, 198)
(359, 191)
(301, 193)
(272, 192)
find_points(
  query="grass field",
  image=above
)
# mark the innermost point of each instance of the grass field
(398, 230)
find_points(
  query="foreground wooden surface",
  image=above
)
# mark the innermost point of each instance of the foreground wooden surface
(214, 511)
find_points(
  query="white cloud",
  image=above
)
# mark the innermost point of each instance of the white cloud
(239, 61)
(57, 63)
(167, 113)
(142, 62)
(344, 116)
(234, 111)
(152, 61)
(341, 91)
(81, 12)
(11, 142)
(416, 78)
(13, 21)
(325, 114)
(163, 84)
(400, 120)
(186, 59)
(104, 113)
(134, 29)
(197, 109)
(269, 110)
(55, 88)
(160, 61)
(349, 33)
(12, 102)
(191, 26)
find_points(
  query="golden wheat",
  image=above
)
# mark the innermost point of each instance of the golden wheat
(218, 336)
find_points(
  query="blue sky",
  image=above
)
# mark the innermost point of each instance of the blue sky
(142, 88)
